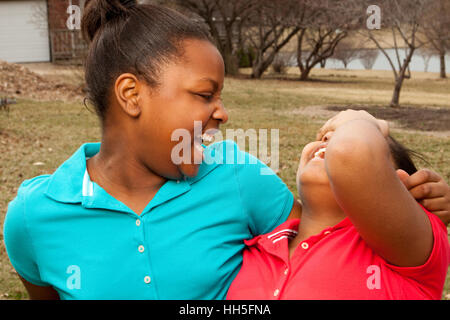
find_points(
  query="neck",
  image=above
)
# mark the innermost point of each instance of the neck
(314, 220)
(318, 213)
(117, 166)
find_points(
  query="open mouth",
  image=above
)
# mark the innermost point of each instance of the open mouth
(319, 152)
(206, 137)
(199, 143)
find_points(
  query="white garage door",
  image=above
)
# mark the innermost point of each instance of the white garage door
(24, 31)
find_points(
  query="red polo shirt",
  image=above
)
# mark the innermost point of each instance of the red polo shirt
(335, 264)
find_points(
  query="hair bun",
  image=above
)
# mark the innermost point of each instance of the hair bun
(98, 12)
(128, 3)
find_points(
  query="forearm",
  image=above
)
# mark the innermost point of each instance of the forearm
(356, 147)
(365, 185)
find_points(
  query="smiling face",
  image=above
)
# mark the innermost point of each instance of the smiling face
(311, 170)
(189, 90)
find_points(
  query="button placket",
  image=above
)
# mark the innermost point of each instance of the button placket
(141, 250)
(281, 283)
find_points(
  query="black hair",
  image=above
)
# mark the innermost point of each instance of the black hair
(125, 36)
(402, 156)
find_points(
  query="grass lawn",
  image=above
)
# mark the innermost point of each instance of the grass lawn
(36, 137)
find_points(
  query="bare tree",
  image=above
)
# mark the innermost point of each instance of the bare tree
(282, 61)
(368, 57)
(345, 52)
(271, 26)
(436, 29)
(224, 19)
(403, 18)
(328, 23)
(426, 54)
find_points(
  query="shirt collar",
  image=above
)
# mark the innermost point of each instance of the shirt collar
(276, 242)
(70, 183)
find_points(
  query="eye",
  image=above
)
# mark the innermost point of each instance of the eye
(207, 97)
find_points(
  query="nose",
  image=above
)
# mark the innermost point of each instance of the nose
(220, 113)
(327, 136)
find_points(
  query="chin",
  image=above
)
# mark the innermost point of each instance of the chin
(189, 170)
(313, 177)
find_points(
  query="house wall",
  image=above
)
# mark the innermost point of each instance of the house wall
(57, 13)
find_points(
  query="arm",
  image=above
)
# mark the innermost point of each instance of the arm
(426, 186)
(18, 244)
(39, 293)
(265, 198)
(367, 188)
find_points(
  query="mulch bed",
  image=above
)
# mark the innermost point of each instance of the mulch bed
(17, 81)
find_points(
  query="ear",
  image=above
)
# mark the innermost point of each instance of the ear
(127, 89)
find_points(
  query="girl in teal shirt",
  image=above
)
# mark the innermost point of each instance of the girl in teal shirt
(122, 219)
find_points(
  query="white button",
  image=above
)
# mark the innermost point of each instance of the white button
(276, 292)
(327, 232)
(178, 181)
(147, 279)
(305, 245)
(138, 222)
(286, 271)
(141, 249)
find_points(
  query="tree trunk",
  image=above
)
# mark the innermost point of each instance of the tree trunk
(304, 75)
(442, 58)
(395, 102)
(263, 63)
(231, 63)
(258, 69)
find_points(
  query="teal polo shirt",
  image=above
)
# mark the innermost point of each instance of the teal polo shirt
(65, 231)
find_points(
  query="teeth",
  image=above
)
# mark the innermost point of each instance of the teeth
(320, 152)
(208, 138)
(199, 147)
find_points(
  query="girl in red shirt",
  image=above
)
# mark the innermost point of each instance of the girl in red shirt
(362, 234)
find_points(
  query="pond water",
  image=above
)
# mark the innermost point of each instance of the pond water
(417, 62)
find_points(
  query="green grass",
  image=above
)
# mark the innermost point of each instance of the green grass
(49, 132)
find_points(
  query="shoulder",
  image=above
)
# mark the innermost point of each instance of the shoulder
(223, 152)
(287, 229)
(430, 276)
(228, 153)
(219, 157)
(35, 187)
(18, 209)
(29, 195)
